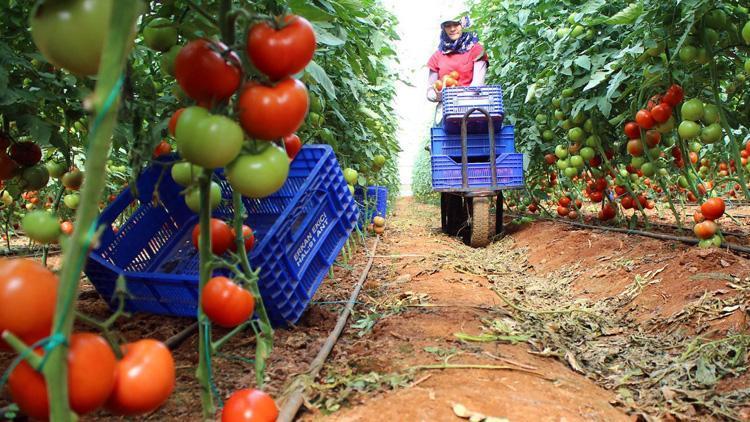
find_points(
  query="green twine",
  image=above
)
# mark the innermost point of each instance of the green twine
(55, 340)
(108, 103)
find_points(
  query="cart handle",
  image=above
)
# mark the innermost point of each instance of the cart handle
(464, 148)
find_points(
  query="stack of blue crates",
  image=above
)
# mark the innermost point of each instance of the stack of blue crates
(446, 142)
(299, 232)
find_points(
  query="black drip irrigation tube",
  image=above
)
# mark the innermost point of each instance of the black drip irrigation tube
(689, 240)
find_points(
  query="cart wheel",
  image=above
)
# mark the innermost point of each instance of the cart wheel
(477, 234)
(499, 213)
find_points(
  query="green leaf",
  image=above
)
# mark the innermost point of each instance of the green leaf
(325, 37)
(584, 62)
(309, 11)
(604, 106)
(626, 16)
(597, 78)
(321, 77)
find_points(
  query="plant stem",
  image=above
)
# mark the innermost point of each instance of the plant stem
(56, 207)
(105, 104)
(204, 326)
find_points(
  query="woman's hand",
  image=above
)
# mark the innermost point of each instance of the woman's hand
(434, 95)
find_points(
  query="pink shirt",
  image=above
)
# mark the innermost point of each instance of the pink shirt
(463, 63)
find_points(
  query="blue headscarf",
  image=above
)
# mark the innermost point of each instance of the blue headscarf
(464, 43)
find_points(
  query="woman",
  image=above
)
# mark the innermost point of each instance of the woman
(458, 51)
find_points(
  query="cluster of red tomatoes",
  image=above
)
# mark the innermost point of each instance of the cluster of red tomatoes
(137, 383)
(706, 228)
(210, 73)
(448, 81)
(20, 161)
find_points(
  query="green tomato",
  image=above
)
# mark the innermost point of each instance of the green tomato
(588, 126)
(71, 200)
(317, 120)
(703, 170)
(379, 160)
(576, 134)
(711, 133)
(561, 152)
(576, 161)
(593, 141)
(667, 126)
(209, 141)
(71, 34)
(711, 114)
(566, 124)
(695, 147)
(572, 19)
(571, 172)
(259, 175)
(703, 56)
(747, 65)
(692, 110)
(317, 103)
(351, 189)
(160, 34)
(562, 164)
(556, 102)
(548, 135)
(35, 177)
(166, 61)
(746, 32)
(351, 176)
(711, 36)
(562, 32)
(41, 226)
(663, 172)
(648, 169)
(55, 169)
(541, 119)
(568, 92)
(193, 198)
(559, 115)
(688, 53)
(577, 31)
(637, 162)
(326, 135)
(589, 34)
(184, 173)
(6, 199)
(656, 50)
(654, 153)
(715, 19)
(683, 182)
(587, 153)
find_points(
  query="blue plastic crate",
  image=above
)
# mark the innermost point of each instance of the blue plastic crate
(446, 173)
(478, 145)
(458, 100)
(374, 204)
(299, 232)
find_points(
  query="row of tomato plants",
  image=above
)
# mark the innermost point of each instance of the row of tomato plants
(237, 78)
(625, 104)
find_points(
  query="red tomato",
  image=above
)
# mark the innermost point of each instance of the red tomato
(632, 131)
(713, 208)
(225, 303)
(635, 147)
(596, 196)
(67, 227)
(653, 137)
(28, 293)
(222, 237)
(292, 145)
(91, 377)
(162, 149)
(644, 119)
(207, 71)
(173, 120)
(674, 95)
(248, 235)
(144, 378)
(249, 405)
(8, 167)
(705, 229)
(562, 211)
(608, 212)
(25, 153)
(283, 52)
(627, 202)
(550, 159)
(564, 201)
(698, 217)
(662, 112)
(271, 113)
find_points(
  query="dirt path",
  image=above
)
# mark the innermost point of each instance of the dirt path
(432, 295)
